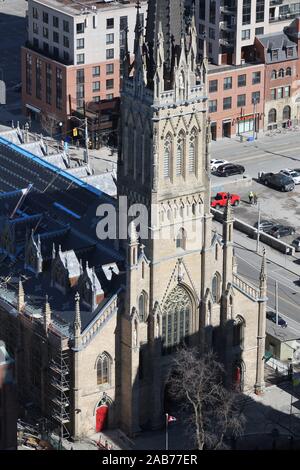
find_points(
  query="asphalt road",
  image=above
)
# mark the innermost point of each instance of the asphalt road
(288, 284)
(265, 154)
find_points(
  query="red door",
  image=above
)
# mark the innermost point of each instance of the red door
(101, 414)
(237, 376)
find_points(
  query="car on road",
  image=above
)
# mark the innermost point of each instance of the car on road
(220, 200)
(277, 181)
(265, 225)
(272, 316)
(279, 231)
(296, 244)
(230, 169)
(295, 175)
(215, 163)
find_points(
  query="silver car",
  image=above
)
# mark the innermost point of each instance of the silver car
(215, 163)
(295, 175)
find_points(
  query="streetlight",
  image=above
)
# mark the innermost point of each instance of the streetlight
(254, 117)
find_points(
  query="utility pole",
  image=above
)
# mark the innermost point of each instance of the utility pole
(276, 301)
(86, 140)
(258, 230)
(254, 118)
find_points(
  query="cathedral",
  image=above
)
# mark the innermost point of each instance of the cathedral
(114, 312)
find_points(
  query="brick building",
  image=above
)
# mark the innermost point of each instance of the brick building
(236, 99)
(280, 56)
(71, 61)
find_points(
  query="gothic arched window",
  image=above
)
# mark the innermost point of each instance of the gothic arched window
(180, 154)
(274, 74)
(176, 317)
(192, 152)
(167, 156)
(238, 332)
(143, 306)
(103, 369)
(215, 287)
(288, 71)
(181, 239)
(281, 73)
(272, 116)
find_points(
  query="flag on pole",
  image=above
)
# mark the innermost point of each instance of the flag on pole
(171, 419)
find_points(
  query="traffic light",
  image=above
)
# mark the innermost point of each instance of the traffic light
(75, 132)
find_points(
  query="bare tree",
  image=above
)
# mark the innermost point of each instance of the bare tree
(49, 123)
(209, 410)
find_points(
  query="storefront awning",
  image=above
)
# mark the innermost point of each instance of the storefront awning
(33, 108)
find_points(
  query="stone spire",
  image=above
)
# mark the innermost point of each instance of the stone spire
(138, 30)
(21, 297)
(126, 60)
(263, 270)
(170, 13)
(47, 314)
(227, 244)
(228, 215)
(77, 322)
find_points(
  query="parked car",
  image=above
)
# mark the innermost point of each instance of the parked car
(272, 316)
(281, 231)
(215, 163)
(277, 181)
(230, 169)
(296, 244)
(295, 175)
(265, 225)
(221, 198)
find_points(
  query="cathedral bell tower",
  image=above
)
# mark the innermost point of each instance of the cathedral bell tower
(164, 171)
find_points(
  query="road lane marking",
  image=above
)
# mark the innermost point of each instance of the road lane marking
(269, 276)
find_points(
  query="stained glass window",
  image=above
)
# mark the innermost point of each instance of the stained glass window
(176, 321)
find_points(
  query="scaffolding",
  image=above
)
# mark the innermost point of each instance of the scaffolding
(60, 382)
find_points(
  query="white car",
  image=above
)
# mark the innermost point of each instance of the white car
(215, 163)
(295, 175)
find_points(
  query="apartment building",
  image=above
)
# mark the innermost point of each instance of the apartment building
(71, 61)
(236, 100)
(231, 25)
(280, 56)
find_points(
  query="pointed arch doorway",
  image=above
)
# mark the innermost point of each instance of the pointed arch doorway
(102, 414)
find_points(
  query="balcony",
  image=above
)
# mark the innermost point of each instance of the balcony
(227, 26)
(229, 10)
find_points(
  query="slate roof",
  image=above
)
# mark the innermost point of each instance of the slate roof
(279, 42)
(70, 261)
(106, 182)
(62, 210)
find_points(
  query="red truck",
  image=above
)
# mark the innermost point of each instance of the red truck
(220, 200)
